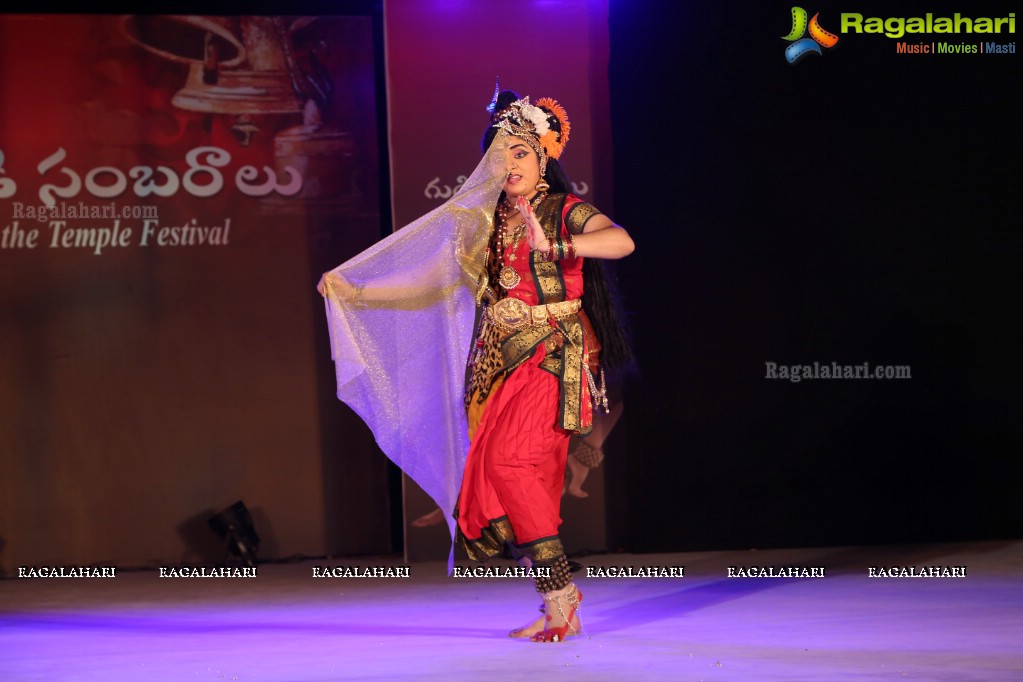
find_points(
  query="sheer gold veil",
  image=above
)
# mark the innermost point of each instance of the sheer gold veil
(400, 342)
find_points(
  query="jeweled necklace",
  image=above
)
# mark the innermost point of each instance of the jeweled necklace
(508, 241)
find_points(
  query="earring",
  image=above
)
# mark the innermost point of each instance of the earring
(542, 186)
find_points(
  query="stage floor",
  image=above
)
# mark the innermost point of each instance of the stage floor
(286, 624)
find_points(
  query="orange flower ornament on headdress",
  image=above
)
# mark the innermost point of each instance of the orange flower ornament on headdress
(554, 141)
(545, 122)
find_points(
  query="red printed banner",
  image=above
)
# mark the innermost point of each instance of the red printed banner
(145, 131)
(170, 189)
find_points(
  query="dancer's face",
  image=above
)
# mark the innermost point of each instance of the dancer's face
(523, 167)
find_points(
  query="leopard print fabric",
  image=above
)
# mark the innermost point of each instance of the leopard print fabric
(486, 362)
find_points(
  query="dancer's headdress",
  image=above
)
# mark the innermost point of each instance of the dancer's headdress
(544, 126)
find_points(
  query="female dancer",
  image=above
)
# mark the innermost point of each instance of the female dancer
(532, 379)
(531, 382)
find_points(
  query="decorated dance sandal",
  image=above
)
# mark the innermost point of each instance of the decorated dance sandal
(570, 597)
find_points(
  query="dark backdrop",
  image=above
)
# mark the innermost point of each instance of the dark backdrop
(856, 206)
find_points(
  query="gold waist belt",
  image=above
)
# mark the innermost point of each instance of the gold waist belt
(513, 313)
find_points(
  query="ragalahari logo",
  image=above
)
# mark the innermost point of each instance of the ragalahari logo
(802, 46)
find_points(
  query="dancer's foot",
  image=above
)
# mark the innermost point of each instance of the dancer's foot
(529, 630)
(534, 627)
(562, 619)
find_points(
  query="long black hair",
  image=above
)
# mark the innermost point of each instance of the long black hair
(601, 301)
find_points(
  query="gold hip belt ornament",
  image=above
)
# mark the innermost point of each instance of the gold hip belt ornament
(513, 313)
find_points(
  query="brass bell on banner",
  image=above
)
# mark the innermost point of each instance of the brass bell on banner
(236, 65)
(247, 67)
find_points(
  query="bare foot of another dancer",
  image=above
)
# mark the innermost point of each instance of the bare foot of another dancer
(431, 519)
(579, 473)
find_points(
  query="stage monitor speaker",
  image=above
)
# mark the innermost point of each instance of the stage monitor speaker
(235, 528)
